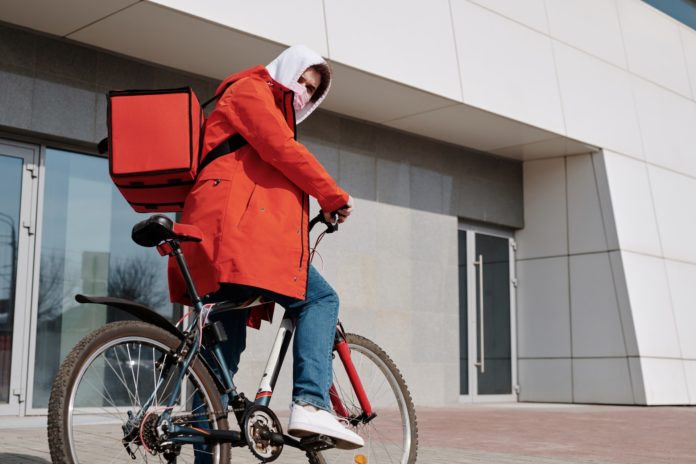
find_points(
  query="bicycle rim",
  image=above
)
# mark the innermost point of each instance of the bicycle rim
(118, 378)
(391, 437)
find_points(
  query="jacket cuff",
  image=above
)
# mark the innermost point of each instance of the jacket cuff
(336, 203)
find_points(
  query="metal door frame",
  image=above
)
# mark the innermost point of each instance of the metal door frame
(21, 333)
(472, 230)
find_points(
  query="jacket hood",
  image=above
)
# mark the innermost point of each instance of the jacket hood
(259, 70)
(289, 66)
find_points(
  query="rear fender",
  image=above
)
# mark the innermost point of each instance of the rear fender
(142, 312)
(149, 315)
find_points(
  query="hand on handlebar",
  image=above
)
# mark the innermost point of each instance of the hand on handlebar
(341, 215)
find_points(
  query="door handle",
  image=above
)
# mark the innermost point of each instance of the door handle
(482, 362)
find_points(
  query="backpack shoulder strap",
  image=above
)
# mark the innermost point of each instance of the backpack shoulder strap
(229, 145)
(225, 147)
(217, 95)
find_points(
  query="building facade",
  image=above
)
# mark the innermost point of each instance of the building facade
(524, 175)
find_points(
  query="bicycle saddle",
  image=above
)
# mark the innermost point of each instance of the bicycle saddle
(158, 228)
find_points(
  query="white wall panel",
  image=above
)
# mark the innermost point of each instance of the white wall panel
(688, 37)
(470, 127)
(547, 380)
(607, 209)
(362, 95)
(624, 302)
(585, 222)
(675, 209)
(407, 41)
(690, 374)
(632, 204)
(595, 322)
(597, 101)
(682, 285)
(591, 25)
(530, 12)
(506, 68)
(668, 126)
(543, 322)
(665, 382)
(657, 55)
(303, 23)
(545, 232)
(651, 307)
(602, 380)
(636, 370)
(151, 32)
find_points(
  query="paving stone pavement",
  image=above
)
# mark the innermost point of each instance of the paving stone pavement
(485, 434)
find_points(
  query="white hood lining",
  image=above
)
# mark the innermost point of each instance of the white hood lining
(289, 66)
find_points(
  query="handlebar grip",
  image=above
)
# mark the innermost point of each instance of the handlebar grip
(330, 228)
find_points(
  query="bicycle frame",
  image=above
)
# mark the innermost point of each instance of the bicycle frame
(268, 379)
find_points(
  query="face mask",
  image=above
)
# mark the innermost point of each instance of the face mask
(301, 96)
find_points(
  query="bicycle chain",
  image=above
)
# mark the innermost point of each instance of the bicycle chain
(214, 415)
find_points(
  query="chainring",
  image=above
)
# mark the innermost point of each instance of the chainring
(258, 425)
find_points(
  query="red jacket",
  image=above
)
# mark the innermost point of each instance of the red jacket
(253, 205)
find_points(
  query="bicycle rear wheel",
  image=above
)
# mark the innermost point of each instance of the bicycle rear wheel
(95, 412)
(392, 436)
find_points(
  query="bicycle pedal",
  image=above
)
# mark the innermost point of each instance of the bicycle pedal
(318, 442)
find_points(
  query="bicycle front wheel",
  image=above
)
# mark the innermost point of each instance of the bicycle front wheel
(391, 437)
(111, 391)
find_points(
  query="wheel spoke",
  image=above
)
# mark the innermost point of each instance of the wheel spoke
(388, 437)
(111, 379)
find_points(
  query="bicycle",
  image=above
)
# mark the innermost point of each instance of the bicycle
(143, 389)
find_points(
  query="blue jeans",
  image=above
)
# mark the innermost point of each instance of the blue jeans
(315, 328)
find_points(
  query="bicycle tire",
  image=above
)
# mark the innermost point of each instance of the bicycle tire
(74, 370)
(370, 351)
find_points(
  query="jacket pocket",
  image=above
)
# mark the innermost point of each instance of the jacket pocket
(248, 206)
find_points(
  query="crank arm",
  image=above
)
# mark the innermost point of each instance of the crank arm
(181, 434)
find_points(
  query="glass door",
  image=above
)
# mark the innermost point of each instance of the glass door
(17, 191)
(84, 246)
(487, 318)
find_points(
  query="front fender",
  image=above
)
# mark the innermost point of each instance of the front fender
(142, 312)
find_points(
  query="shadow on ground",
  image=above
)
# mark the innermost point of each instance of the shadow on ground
(11, 458)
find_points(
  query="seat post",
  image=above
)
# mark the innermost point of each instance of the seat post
(181, 261)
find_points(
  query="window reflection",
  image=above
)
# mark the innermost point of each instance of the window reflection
(86, 248)
(10, 192)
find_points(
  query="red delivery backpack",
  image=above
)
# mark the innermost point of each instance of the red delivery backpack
(154, 144)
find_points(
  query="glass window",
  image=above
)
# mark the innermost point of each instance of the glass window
(86, 248)
(10, 193)
(681, 10)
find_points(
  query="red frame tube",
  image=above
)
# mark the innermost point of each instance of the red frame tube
(344, 354)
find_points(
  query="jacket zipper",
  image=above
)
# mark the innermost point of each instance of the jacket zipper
(289, 108)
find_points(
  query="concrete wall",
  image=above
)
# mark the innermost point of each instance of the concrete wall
(395, 270)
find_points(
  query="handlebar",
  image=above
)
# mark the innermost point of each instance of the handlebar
(330, 228)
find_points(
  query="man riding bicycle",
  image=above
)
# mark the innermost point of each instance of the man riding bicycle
(253, 207)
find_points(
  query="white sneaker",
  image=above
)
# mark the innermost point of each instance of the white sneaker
(308, 420)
